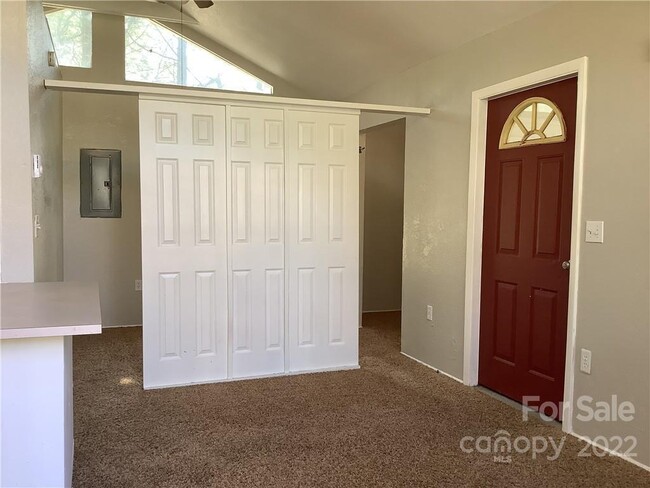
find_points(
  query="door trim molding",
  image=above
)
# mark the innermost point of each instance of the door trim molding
(475, 217)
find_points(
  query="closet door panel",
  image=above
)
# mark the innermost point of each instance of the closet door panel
(322, 239)
(257, 244)
(184, 265)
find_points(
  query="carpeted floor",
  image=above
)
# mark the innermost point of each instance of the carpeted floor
(394, 422)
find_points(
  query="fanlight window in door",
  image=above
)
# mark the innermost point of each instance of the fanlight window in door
(534, 121)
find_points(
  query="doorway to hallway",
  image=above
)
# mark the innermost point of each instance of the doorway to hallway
(382, 215)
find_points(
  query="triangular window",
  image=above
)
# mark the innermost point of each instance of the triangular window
(156, 54)
(71, 32)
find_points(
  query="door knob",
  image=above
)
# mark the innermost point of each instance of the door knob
(566, 264)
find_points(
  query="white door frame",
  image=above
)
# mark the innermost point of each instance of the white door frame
(475, 217)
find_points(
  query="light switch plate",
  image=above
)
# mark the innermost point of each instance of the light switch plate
(37, 166)
(594, 231)
(37, 225)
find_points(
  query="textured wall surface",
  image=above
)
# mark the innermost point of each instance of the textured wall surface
(614, 296)
(104, 250)
(45, 115)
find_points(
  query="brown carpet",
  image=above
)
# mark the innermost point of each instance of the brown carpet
(394, 422)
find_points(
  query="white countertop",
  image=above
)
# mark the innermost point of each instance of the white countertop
(49, 309)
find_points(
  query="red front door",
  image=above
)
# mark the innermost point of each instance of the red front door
(526, 240)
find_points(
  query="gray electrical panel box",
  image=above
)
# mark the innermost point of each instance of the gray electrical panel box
(100, 174)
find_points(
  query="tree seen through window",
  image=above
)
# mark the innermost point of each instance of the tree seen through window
(71, 32)
(155, 54)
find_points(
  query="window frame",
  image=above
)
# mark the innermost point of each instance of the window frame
(513, 118)
(50, 11)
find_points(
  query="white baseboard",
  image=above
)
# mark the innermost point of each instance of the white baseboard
(609, 451)
(380, 311)
(431, 367)
(120, 326)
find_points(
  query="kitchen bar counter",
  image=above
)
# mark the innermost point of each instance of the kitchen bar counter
(37, 322)
(49, 309)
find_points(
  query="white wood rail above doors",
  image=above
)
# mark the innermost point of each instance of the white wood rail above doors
(119, 89)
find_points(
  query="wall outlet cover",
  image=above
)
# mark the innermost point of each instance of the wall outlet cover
(585, 361)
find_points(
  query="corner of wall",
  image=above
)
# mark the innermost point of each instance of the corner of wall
(17, 247)
(45, 118)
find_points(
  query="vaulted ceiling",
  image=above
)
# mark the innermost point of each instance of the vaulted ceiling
(330, 49)
(335, 49)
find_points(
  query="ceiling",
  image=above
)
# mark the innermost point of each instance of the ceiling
(335, 49)
(330, 49)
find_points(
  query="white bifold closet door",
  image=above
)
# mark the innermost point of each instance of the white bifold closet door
(184, 245)
(256, 168)
(323, 239)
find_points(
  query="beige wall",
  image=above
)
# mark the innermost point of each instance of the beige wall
(45, 128)
(614, 291)
(31, 124)
(108, 250)
(383, 217)
(96, 249)
(17, 260)
(104, 250)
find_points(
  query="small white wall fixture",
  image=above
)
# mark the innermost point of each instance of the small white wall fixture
(480, 98)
